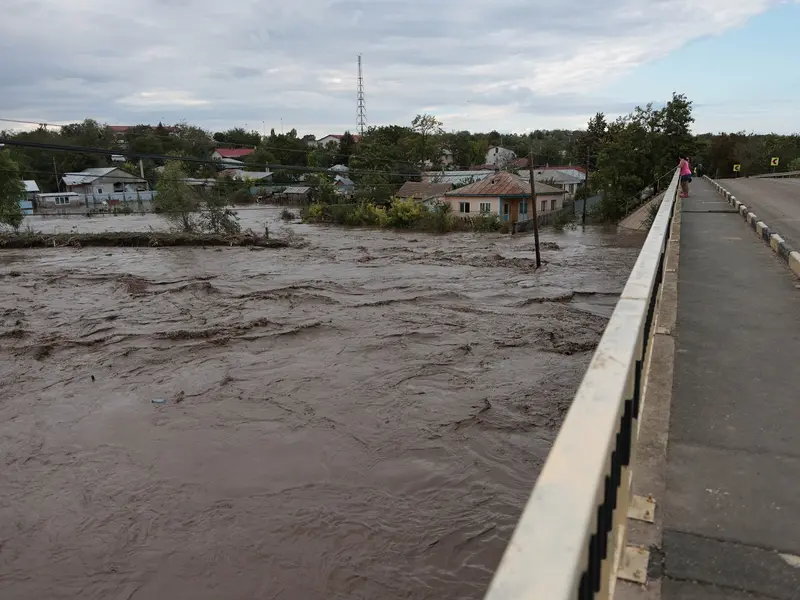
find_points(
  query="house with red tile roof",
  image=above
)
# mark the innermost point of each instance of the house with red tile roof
(506, 195)
(223, 153)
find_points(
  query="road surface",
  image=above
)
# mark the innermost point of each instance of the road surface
(774, 201)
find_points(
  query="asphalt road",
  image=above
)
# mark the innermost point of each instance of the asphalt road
(774, 201)
(731, 525)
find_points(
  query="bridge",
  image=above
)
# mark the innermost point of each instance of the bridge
(676, 472)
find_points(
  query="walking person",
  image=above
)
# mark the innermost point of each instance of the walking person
(686, 176)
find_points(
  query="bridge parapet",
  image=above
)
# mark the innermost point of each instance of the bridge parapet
(568, 541)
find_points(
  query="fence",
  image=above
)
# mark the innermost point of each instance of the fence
(567, 542)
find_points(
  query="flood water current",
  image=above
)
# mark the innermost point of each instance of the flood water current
(359, 416)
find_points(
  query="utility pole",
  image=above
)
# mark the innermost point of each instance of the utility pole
(535, 216)
(141, 169)
(585, 189)
(55, 170)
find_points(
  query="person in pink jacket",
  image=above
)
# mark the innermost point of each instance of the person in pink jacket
(686, 176)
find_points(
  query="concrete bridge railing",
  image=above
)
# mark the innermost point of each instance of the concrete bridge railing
(568, 541)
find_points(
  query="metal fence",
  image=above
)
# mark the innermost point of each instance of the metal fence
(566, 543)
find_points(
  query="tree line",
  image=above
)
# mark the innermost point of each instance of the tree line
(623, 156)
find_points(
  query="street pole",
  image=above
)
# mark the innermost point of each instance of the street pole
(585, 189)
(535, 216)
(55, 170)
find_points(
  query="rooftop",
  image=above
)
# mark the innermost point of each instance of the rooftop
(94, 173)
(422, 190)
(297, 190)
(503, 184)
(455, 177)
(30, 185)
(234, 152)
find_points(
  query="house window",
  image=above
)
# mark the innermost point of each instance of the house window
(463, 207)
(119, 186)
(523, 207)
(553, 204)
(62, 200)
(99, 190)
(544, 205)
(486, 207)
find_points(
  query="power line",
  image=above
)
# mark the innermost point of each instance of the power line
(153, 133)
(188, 159)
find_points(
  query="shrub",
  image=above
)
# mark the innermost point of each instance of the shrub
(288, 215)
(404, 214)
(487, 222)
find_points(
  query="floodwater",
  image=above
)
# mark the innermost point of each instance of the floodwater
(360, 416)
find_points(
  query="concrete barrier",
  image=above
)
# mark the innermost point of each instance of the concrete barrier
(775, 241)
(794, 262)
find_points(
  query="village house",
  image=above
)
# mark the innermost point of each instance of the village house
(241, 175)
(26, 202)
(456, 178)
(423, 191)
(103, 181)
(297, 194)
(559, 179)
(499, 156)
(225, 154)
(344, 186)
(60, 202)
(506, 195)
(332, 138)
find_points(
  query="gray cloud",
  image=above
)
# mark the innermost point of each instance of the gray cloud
(506, 64)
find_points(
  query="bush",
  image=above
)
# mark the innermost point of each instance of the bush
(404, 214)
(288, 215)
(487, 222)
(315, 213)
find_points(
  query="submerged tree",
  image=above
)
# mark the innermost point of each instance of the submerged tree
(12, 190)
(175, 200)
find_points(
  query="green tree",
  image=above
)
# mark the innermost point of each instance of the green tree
(12, 190)
(175, 199)
(218, 217)
(238, 136)
(428, 128)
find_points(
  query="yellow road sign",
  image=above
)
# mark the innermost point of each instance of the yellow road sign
(774, 161)
(737, 168)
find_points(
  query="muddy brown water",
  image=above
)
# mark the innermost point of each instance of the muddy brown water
(359, 417)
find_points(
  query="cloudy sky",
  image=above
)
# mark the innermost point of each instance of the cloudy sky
(510, 65)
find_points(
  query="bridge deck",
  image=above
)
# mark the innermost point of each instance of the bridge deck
(732, 507)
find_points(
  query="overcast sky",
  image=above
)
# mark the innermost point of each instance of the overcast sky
(510, 65)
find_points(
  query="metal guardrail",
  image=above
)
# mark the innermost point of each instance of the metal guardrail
(776, 175)
(567, 542)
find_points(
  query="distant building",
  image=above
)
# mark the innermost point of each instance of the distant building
(456, 177)
(506, 195)
(298, 194)
(559, 179)
(344, 186)
(103, 180)
(60, 200)
(333, 138)
(499, 156)
(26, 203)
(241, 175)
(223, 154)
(423, 190)
(339, 169)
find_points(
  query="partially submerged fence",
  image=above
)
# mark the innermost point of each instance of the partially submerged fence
(567, 543)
